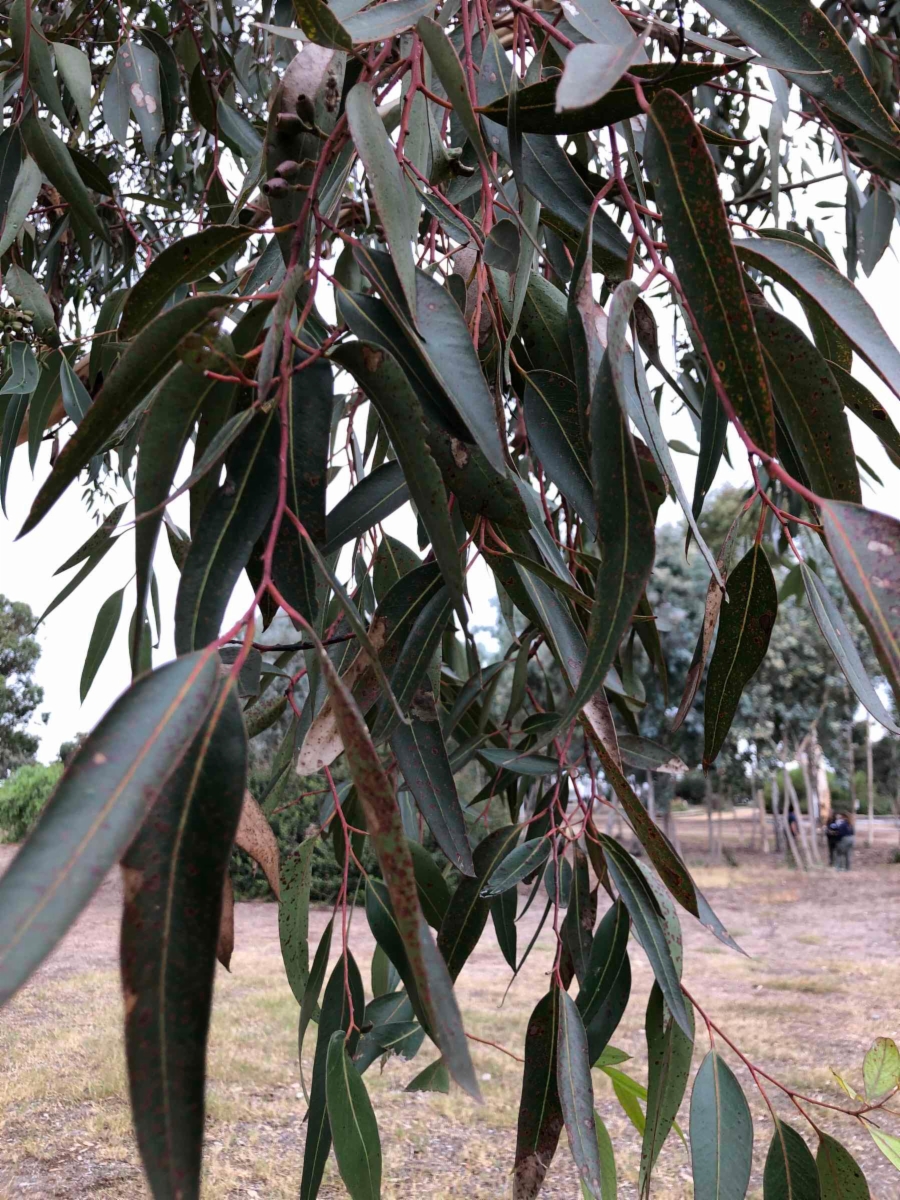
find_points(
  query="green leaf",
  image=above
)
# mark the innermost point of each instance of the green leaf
(389, 843)
(865, 546)
(54, 159)
(24, 372)
(888, 1144)
(174, 872)
(576, 1093)
(810, 52)
(16, 407)
(811, 406)
(320, 25)
(293, 915)
(97, 808)
(591, 70)
(29, 294)
(40, 65)
(628, 1092)
(74, 68)
(434, 1077)
(840, 1175)
(521, 861)
(354, 1129)
(520, 763)
(721, 1133)
(24, 194)
(624, 364)
(637, 896)
(310, 1002)
(554, 431)
(182, 262)
(374, 498)
(745, 626)
(75, 396)
(540, 1120)
(343, 1006)
(383, 21)
(608, 1178)
(840, 643)
(823, 289)
(790, 1171)
(875, 222)
(669, 1055)
(174, 410)
(104, 629)
(503, 914)
(881, 1068)
(434, 894)
(685, 182)
(863, 404)
(395, 198)
(537, 107)
(422, 757)
(468, 910)
(606, 986)
(646, 755)
(145, 362)
(137, 68)
(444, 348)
(713, 433)
(386, 386)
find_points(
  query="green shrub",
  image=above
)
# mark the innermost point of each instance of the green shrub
(23, 796)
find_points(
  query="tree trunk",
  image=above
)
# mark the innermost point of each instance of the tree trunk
(776, 815)
(793, 801)
(763, 820)
(851, 778)
(870, 784)
(651, 796)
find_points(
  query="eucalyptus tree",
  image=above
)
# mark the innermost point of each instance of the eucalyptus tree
(423, 254)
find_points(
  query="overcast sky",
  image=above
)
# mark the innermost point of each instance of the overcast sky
(27, 566)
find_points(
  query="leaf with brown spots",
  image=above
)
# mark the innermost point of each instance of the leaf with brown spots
(865, 546)
(811, 405)
(388, 840)
(171, 923)
(254, 836)
(540, 1115)
(684, 177)
(225, 943)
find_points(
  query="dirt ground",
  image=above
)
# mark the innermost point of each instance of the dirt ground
(821, 980)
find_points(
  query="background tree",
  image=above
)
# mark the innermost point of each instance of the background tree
(20, 696)
(474, 257)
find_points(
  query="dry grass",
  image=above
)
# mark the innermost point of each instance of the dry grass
(821, 982)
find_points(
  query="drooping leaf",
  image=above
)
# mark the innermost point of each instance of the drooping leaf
(576, 1093)
(75, 70)
(745, 626)
(145, 362)
(321, 25)
(643, 908)
(24, 193)
(354, 1129)
(870, 411)
(578, 925)
(434, 1077)
(721, 1133)
(647, 755)
(810, 403)
(840, 642)
(669, 1055)
(713, 432)
(395, 198)
(881, 1068)
(865, 546)
(343, 1005)
(811, 53)
(101, 639)
(468, 910)
(790, 1171)
(373, 499)
(422, 757)
(521, 861)
(840, 1175)
(554, 430)
(604, 990)
(174, 872)
(29, 293)
(383, 21)
(592, 69)
(822, 287)
(98, 806)
(540, 1120)
(608, 1176)
(53, 157)
(389, 843)
(182, 262)
(232, 521)
(293, 916)
(684, 177)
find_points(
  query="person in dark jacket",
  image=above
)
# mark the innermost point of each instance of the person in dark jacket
(839, 833)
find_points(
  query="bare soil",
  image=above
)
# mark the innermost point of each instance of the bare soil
(821, 979)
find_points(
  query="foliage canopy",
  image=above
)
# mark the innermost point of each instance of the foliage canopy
(231, 233)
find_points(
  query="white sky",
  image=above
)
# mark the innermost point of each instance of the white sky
(27, 566)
